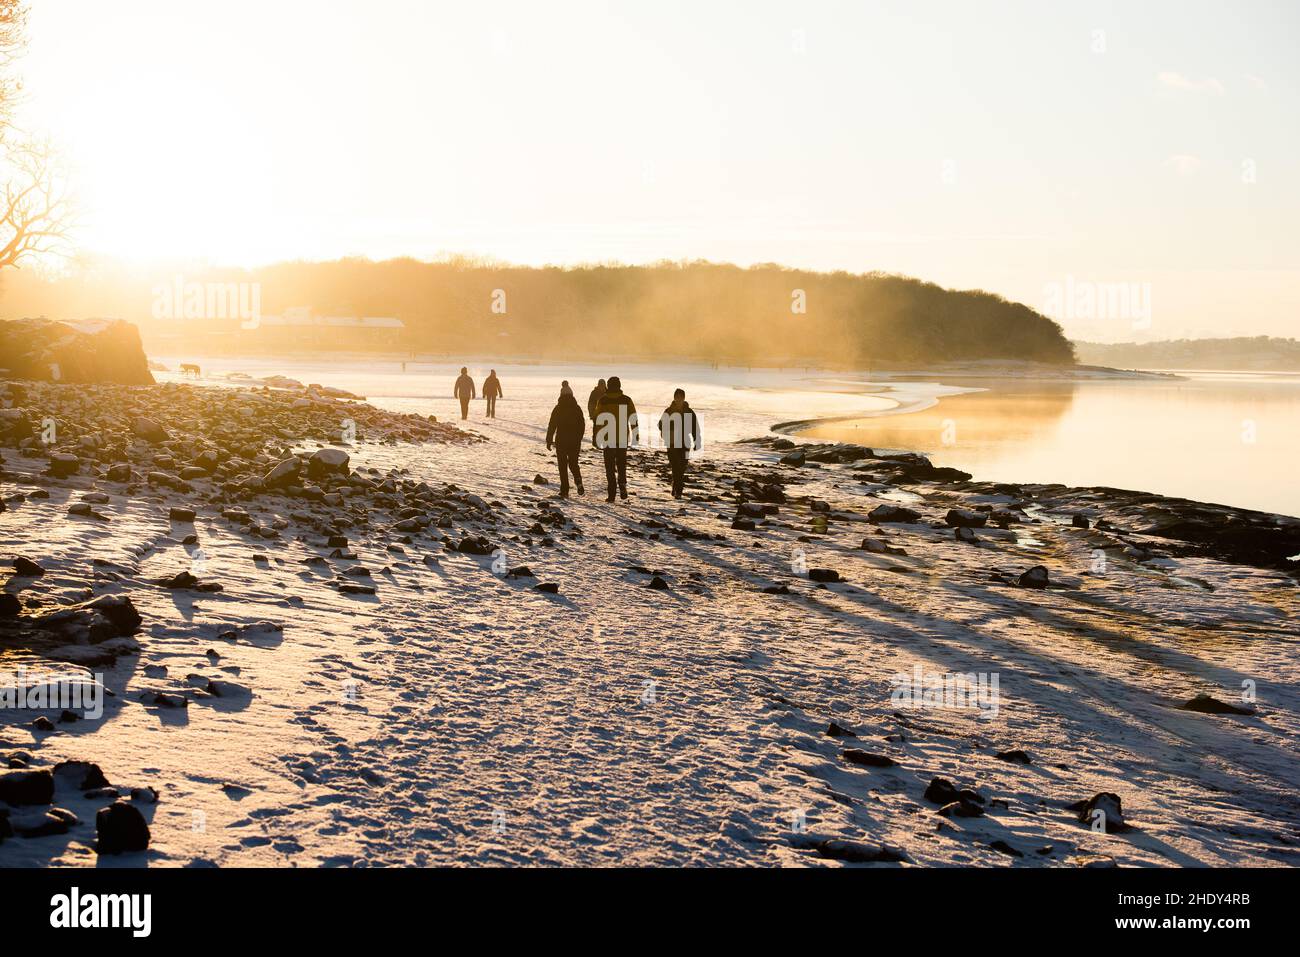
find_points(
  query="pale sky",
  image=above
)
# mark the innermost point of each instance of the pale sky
(1000, 145)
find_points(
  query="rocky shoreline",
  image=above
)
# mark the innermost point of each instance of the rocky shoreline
(262, 476)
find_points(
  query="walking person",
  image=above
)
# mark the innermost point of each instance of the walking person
(616, 431)
(564, 433)
(680, 429)
(464, 391)
(592, 401)
(492, 392)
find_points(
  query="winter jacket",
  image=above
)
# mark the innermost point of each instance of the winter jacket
(567, 425)
(680, 430)
(464, 388)
(594, 398)
(492, 388)
(615, 421)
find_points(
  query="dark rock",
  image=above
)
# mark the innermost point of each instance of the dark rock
(20, 788)
(549, 587)
(1205, 704)
(80, 775)
(42, 723)
(120, 829)
(867, 758)
(962, 808)
(777, 590)
(743, 524)
(1079, 521)
(177, 514)
(823, 575)
(962, 518)
(1002, 847)
(856, 852)
(893, 513)
(26, 568)
(540, 479)
(1036, 577)
(10, 605)
(795, 457)
(836, 731)
(63, 465)
(966, 535)
(475, 545)
(327, 462)
(1014, 756)
(657, 584)
(1108, 804)
(941, 791)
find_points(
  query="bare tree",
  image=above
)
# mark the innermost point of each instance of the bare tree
(35, 215)
(13, 41)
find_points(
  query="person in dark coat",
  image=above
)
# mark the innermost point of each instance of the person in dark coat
(492, 392)
(592, 401)
(464, 391)
(616, 431)
(565, 432)
(680, 429)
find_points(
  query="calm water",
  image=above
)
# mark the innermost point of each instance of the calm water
(1229, 437)
(1215, 437)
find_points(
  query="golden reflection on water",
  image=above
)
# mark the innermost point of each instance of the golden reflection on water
(1225, 439)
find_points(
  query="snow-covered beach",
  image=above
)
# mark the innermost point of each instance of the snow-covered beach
(745, 714)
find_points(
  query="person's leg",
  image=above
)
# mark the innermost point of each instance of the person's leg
(577, 469)
(464, 408)
(492, 407)
(611, 482)
(562, 456)
(622, 472)
(677, 463)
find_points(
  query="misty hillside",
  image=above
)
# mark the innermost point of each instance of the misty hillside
(1261, 353)
(694, 310)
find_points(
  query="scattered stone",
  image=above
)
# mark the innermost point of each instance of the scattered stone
(26, 568)
(1035, 577)
(837, 731)
(1108, 805)
(80, 775)
(856, 852)
(178, 514)
(1079, 521)
(1014, 756)
(823, 575)
(963, 518)
(893, 513)
(966, 535)
(867, 758)
(549, 588)
(1205, 704)
(1002, 847)
(22, 788)
(120, 829)
(657, 584)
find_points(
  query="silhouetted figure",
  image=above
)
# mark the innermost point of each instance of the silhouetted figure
(492, 392)
(616, 432)
(565, 432)
(680, 430)
(464, 391)
(592, 399)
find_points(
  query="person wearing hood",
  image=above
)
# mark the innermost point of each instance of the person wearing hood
(592, 401)
(464, 391)
(492, 392)
(564, 434)
(616, 431)
(680, 429)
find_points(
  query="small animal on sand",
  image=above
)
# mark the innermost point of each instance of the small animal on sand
(190, 369)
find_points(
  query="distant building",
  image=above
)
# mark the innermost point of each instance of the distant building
(301, 328)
